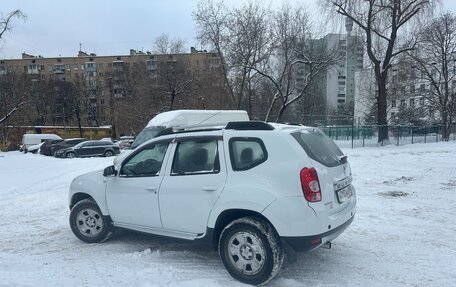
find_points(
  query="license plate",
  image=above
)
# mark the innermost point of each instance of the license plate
(344, 194)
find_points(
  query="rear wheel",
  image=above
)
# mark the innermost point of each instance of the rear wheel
(88, 223)
(108, 153)
(251, 251)
(70, 154)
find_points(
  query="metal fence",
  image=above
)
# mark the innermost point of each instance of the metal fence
(365, 136)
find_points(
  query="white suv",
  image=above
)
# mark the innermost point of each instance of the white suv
(252, 189)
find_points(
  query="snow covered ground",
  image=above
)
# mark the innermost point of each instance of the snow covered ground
(403, 234)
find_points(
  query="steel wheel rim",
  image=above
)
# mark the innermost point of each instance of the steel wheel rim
(70, 155)
(246, 253)
(89, 222)
(109, 153)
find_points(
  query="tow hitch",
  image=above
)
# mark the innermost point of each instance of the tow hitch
(328, 245)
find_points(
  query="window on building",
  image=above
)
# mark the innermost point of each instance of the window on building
(412, 89)
(422, 88)
(421, 101)
(403, 103)
(75, 67)
(412, 102)
(393, 103)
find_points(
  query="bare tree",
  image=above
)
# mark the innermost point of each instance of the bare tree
(241, 38)
(381, 22)
(297, 59)
(163, 44)
(435, 58)
(5, 106)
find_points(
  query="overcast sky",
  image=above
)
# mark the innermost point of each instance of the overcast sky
(105, 27)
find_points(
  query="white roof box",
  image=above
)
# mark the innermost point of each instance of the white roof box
(195, 117)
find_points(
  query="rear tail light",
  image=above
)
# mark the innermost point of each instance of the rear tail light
(310, 184)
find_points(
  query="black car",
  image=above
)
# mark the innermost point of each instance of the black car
(48, 148)
(89, 148)
(64, 144)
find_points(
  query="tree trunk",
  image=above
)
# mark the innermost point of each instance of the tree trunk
(382, 121)
(280, 113)
(445, 128)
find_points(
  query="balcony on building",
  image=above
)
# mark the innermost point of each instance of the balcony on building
(33, 69)
(151, 65)
(58, 69)
(118, 66)
(3, 70)
(90, 67)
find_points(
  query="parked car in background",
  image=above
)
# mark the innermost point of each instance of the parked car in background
(66, 144)
(35, 139)
(88, 149)
(35, 148)
(125, 141)
(48, 147)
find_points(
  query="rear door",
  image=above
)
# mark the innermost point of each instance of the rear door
(192, 183)
(85, 149)
(333, 170)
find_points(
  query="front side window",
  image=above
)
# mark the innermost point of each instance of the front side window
(147, 162)
(196, 156)
(247, 153)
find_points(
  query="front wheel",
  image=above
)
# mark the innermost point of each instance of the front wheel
(70, 155)
(108, 153)
(88, 223)
(251, 251)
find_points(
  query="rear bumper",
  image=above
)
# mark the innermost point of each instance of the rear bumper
(306, 243)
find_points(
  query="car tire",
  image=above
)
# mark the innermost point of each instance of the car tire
(88, 223)
(70, 155)
(251, 251)
(108, 153)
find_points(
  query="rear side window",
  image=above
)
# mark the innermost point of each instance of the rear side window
(247, 153)
(196, 157)
(320, 147)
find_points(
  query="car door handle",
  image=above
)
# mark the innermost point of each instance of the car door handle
(152, 189)
(209, 188)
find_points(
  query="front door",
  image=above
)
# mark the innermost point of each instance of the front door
(192, 184)
(132, 196)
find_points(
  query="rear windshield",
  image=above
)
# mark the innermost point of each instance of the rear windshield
(320, 147)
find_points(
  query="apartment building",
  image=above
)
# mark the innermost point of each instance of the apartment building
(108, 86)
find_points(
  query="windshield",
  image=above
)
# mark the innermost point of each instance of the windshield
(320, 147)
(145, 135)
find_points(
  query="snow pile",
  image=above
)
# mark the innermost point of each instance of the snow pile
(403, 233)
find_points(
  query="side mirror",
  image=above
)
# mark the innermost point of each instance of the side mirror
(110, 171)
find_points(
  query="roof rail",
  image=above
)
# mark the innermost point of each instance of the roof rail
(250, 125)
(246, 125)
